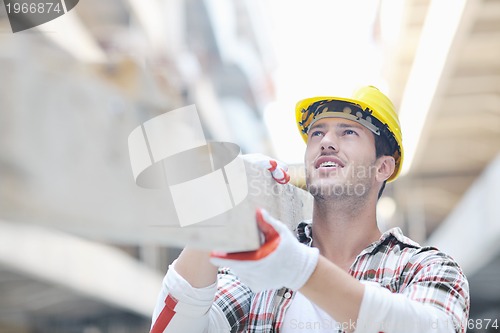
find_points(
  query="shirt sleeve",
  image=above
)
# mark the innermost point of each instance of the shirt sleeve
(183, 308)
(234, 300)
(222, 307)
(435, 299)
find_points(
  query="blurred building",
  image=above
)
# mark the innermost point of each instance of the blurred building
(75, 255)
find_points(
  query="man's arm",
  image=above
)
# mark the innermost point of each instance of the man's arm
(368, 307)
(219, 307)
(195, 267)
(187, 296)
(335, 291)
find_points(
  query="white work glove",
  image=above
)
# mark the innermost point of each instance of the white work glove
(282, 261)
(279, 170)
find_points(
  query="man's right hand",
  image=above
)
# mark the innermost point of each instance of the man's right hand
(278, 170)
(281, 261)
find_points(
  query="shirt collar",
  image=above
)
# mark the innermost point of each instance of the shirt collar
(304, 232)
(304, 235)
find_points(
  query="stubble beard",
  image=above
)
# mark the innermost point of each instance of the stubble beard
(352, 191)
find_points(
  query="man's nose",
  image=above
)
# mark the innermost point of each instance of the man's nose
(329, 142)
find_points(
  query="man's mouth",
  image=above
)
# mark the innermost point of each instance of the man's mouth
(328, 165)
(328, 162)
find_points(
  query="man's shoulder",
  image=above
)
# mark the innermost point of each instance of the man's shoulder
(418, 254)
(398, 234)
(393, 242)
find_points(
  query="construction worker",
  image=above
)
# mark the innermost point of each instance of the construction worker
(339, 273)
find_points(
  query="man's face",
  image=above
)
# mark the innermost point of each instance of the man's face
(340, 159)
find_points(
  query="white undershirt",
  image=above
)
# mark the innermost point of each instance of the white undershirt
(304, 316)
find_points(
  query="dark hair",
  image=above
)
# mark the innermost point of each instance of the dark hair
(382, 148)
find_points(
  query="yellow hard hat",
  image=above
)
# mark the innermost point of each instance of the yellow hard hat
(367, 106)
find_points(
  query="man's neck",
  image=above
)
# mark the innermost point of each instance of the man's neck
(341, 231)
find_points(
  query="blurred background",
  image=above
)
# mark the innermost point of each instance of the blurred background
(74, 253)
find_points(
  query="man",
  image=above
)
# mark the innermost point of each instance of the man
(343, 274)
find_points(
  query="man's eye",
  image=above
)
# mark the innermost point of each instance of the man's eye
(349, 132)
(316, 133)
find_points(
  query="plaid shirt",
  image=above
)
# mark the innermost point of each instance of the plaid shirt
(395, 262)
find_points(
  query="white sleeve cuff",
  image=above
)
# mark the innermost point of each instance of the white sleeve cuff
(383, 311)
(191, 301)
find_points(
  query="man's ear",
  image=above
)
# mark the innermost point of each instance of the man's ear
(385, 167)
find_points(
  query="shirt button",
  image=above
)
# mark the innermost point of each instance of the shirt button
(287, 295)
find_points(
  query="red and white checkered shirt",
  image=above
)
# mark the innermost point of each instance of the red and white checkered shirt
(397, 264)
